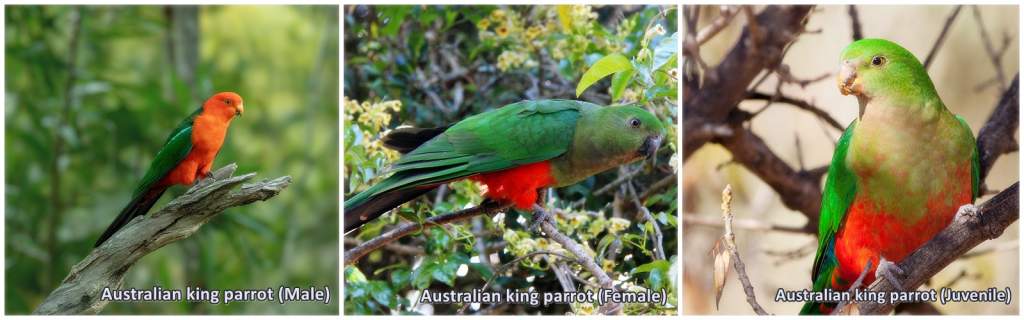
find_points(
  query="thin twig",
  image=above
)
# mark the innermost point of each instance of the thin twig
(853, 288)
(656, 237)
(990, 50)
(942, 37)
(855, 22)
(729, 238)
(582, 258)
(356, 253)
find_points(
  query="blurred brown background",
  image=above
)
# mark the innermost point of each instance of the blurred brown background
(777, 259)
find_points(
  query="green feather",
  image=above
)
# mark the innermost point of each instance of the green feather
(975, 162)
(517, 134)
(175, 149)
(840, 190)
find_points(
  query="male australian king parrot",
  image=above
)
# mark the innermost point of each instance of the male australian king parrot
(187, 155)
(513, 150)
(898, 175)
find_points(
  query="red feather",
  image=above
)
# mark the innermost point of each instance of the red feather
(518, 185)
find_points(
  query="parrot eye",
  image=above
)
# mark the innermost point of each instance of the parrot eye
(227, 101)
(877, 61)
(635, 123)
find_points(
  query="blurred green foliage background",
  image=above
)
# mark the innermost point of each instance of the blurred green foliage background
(429, 66)
(93, 91)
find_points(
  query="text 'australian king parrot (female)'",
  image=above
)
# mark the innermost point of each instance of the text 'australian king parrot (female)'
(186, 156)
(899, 173)
(513, 150)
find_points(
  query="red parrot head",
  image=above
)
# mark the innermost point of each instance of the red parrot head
(226, 104)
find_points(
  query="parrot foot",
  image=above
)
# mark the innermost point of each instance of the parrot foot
(890, 272)
(204, 180)
(539, 216)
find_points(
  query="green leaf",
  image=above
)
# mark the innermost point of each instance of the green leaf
(619, 82)
(666, 50)
(602, 68)
(400, 277)
(382, 293)
(656, 264)
(656, 279)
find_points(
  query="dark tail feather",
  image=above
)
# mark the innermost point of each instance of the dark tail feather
(137, 207)
(407, 139)
(359, 214)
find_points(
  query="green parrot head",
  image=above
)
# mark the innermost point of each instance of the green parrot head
(874, 68)
(630, 132)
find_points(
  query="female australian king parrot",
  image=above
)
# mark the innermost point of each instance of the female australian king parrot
(898, 175)
(187, 155)
(513, 150)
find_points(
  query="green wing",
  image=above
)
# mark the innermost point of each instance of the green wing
(975, 161)
(517, 134)
(174, 150)
(840, 189)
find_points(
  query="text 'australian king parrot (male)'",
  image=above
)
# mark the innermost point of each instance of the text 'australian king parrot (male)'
(186, 156)
(899, 173)
(513, 150)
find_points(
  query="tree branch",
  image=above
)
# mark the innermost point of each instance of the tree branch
(997, 136)
(968, 229)
(942, 37)
(725, 85)
(583, 259)
(356, 253)
(798, 190)
(106, 266)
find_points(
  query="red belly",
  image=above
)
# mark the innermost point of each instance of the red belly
(517, 185)
(871, 231)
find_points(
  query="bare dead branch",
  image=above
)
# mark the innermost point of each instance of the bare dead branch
(724, 86)
(106, 265)
(799, 103)
(798, 190)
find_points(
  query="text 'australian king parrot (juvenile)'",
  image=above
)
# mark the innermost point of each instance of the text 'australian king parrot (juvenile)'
(186, 156)
(899, 173)
(513, 150)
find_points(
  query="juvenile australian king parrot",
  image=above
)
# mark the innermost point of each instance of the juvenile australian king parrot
(513, 150)
(898, 175)
(186, 156)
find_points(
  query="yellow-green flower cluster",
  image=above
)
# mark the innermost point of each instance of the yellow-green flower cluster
(582, 16)
(511, 59)
(616, 225)
(372, 117)
(562, 31)
(583, 308)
